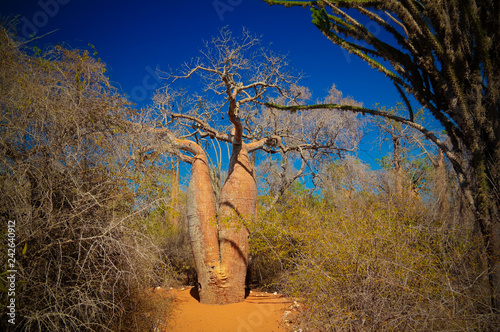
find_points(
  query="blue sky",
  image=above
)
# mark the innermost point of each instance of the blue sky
(135, 37)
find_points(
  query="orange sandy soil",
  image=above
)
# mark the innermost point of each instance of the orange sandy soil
(260, 312)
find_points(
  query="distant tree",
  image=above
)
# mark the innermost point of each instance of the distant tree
(344, 180)
(410, 156)
(239, 76)
(279, 171)
(447, 56)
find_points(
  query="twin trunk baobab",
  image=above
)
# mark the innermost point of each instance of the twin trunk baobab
(220, 240)
(240, 75)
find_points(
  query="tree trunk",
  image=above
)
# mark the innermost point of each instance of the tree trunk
(174, 196)
(221, 259)
(237, 207)
(487, 207)
(441, 189)
(203, 229)
(398, 170)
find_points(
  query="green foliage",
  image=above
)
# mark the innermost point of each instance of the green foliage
(320, 19)
(151, 186)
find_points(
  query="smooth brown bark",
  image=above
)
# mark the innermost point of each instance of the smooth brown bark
(398, 171)
(220, 247)
(440, 182)
(237, 207)
(202, 228)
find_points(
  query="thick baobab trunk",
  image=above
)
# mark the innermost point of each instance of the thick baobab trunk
(237, 207)
(398, 170)
(203, 229)
(221, 258)
(440, 183)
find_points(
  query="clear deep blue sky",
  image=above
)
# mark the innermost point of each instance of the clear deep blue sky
(135, 37)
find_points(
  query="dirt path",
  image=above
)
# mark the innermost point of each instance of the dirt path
(260, 312)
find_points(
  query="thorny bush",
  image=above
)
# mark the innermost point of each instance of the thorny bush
(373, 264)
(62, 181)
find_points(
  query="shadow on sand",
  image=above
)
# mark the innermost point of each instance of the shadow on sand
(196, 295)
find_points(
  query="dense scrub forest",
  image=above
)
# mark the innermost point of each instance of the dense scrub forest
(278, 198)
(445, 55)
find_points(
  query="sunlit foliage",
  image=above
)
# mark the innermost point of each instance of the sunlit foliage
(373, 265)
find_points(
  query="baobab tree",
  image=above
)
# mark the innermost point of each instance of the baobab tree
(445, 54)
(240, 76)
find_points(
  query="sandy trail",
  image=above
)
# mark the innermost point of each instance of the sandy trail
(260, 312)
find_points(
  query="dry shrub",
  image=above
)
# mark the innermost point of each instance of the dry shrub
(376, 265)
(177, 249)
(146, 311)
(164, 222)
(62, 177)
(273, 245)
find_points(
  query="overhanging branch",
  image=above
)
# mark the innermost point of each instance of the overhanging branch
(363, 110)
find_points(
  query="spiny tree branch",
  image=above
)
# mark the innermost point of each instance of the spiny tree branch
(363, 110)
